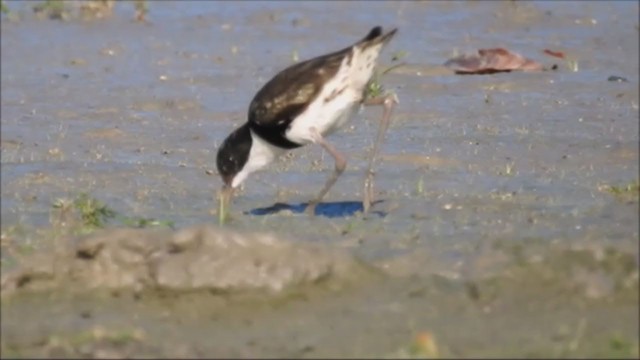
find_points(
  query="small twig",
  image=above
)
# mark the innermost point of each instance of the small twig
(393, 67)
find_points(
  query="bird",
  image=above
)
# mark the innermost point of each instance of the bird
(301, 105)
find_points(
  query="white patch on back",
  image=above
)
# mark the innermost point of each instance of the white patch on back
(363, 64)
(329, 116)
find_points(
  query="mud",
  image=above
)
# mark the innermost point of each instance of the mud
(210, 292)
(194, 259)
(511, 224)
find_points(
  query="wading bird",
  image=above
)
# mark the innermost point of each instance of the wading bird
(301, 105)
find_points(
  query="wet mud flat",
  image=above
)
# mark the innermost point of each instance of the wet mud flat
(511, 200)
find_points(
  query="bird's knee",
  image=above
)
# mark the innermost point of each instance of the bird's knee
(390, 100)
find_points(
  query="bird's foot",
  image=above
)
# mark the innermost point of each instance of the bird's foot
(311, 208)
(367, 193)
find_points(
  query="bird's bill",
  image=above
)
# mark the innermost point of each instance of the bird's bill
(224, 201)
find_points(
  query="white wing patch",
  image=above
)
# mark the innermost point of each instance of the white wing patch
(338, 99)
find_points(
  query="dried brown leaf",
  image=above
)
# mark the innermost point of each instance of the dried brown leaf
(489, 61)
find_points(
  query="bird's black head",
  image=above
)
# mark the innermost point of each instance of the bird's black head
(233, 154)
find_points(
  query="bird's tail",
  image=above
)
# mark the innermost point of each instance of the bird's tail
(376, 37)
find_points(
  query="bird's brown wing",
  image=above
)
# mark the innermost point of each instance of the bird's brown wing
(291, 91)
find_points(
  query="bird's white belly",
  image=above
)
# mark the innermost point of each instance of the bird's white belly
(325, 117)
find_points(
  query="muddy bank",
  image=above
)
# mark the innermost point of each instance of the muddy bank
(204, 258)
(211, 292)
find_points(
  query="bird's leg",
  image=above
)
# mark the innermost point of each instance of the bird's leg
(388, 102)
(340, 165)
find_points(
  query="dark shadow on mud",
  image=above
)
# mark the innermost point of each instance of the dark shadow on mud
(335, 209)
